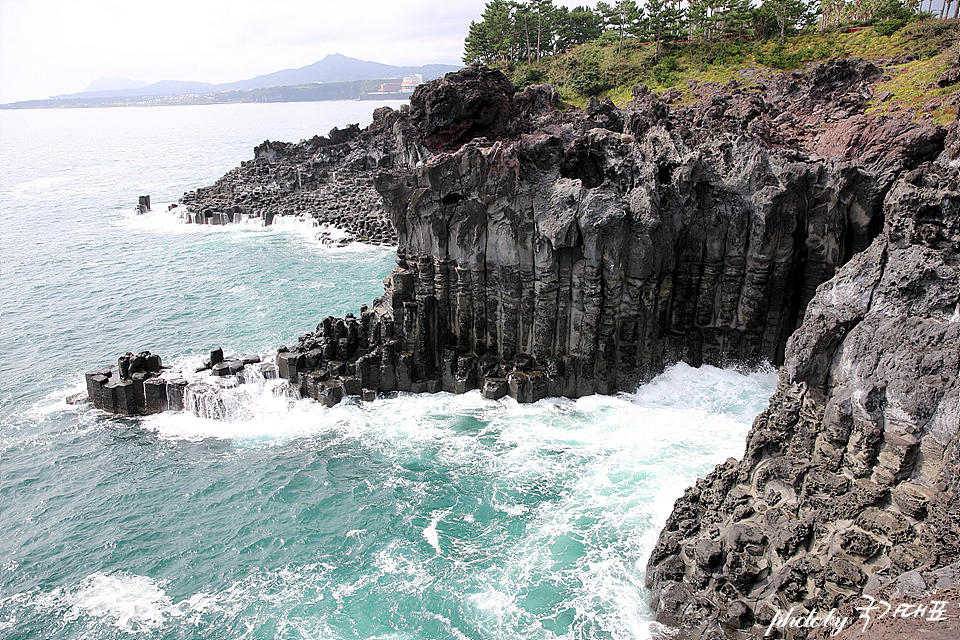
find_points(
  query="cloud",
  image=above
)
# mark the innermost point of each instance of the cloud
(50, 47)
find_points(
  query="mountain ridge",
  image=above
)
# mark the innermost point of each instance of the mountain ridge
(334, 67)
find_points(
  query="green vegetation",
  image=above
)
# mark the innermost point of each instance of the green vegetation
(671, 46)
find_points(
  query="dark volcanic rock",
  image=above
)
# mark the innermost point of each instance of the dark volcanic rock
(326, 178)
(594, 248)
(575, 253)
(470, 103)
(881, 142)
(547, 252)
(859, 444)
(949, 77)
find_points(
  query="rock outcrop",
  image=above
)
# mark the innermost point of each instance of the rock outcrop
(328, 178)
(570, 254)
(544, 252)
(141, 385)
(850, 478)
(127, 389)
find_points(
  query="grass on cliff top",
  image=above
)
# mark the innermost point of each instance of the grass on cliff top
(596, 69)
(911, 92)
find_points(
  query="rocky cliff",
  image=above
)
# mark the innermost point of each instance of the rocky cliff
(544, 251)
(547, 252)
(850, 477)
(329, 178)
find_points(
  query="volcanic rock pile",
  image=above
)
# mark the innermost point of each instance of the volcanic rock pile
(549, 253)
(140, 385)
(327, 178)
(849, 478)
(544, 252)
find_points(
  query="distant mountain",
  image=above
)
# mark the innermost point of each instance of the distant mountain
(337, 68)
(162, 88)
(350, 90)
(333, 68)
(115, 83)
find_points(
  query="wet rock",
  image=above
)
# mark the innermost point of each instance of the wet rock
(331, 392)
(176, 389)
(855, 438)
(495, 388)
(579, 252)
(155, 396)
(221, 369)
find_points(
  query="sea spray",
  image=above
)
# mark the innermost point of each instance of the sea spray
(430, 515)
(285, 518)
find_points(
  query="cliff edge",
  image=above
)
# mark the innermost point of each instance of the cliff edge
(850, 477)
(548, 251)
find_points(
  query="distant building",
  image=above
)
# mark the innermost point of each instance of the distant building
(410, 83)
(395, 90)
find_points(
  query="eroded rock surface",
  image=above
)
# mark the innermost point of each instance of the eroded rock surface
(544, 251)
(329, 178)
(850, 477)
(553, 252)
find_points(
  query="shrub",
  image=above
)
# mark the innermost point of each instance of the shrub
(780, 59)
(529, 77)
(826, 50)
(889, 27)
(722, 52)
(665, 73)
(586, 78)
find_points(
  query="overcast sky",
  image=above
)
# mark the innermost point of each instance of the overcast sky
(51, 47)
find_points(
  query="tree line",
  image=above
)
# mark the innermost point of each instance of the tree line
(514, 31)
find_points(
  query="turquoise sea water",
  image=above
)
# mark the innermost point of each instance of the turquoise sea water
(412, 517)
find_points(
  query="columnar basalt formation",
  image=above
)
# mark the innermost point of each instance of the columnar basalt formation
(551, 253)
(329, 178)
(126, 388)
(544, 251)
(140, 385)
(850, 478)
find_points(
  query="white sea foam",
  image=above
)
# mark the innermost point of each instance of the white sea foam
(127, 601)
(173, 220)
(620, 462)
(430, 532)
(56, 400)
(683, 405)
(589, 483)
(136, 604)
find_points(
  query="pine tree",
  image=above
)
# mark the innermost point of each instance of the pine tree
(576, 26)
(659, 23)
(492, 39)
(737, 18)
(543, 13)
(476, 47)
(623, 16)
(700, 19)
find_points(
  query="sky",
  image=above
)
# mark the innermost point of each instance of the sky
(53, 47)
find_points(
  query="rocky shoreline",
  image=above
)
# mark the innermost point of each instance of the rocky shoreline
(849, 480)
(328, 178)
(545, 251)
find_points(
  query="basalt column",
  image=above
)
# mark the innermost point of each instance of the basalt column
(611, 256)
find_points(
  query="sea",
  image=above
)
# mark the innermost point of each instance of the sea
(412, 517)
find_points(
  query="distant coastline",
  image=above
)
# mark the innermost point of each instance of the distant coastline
(336, 77)
(316, 92)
